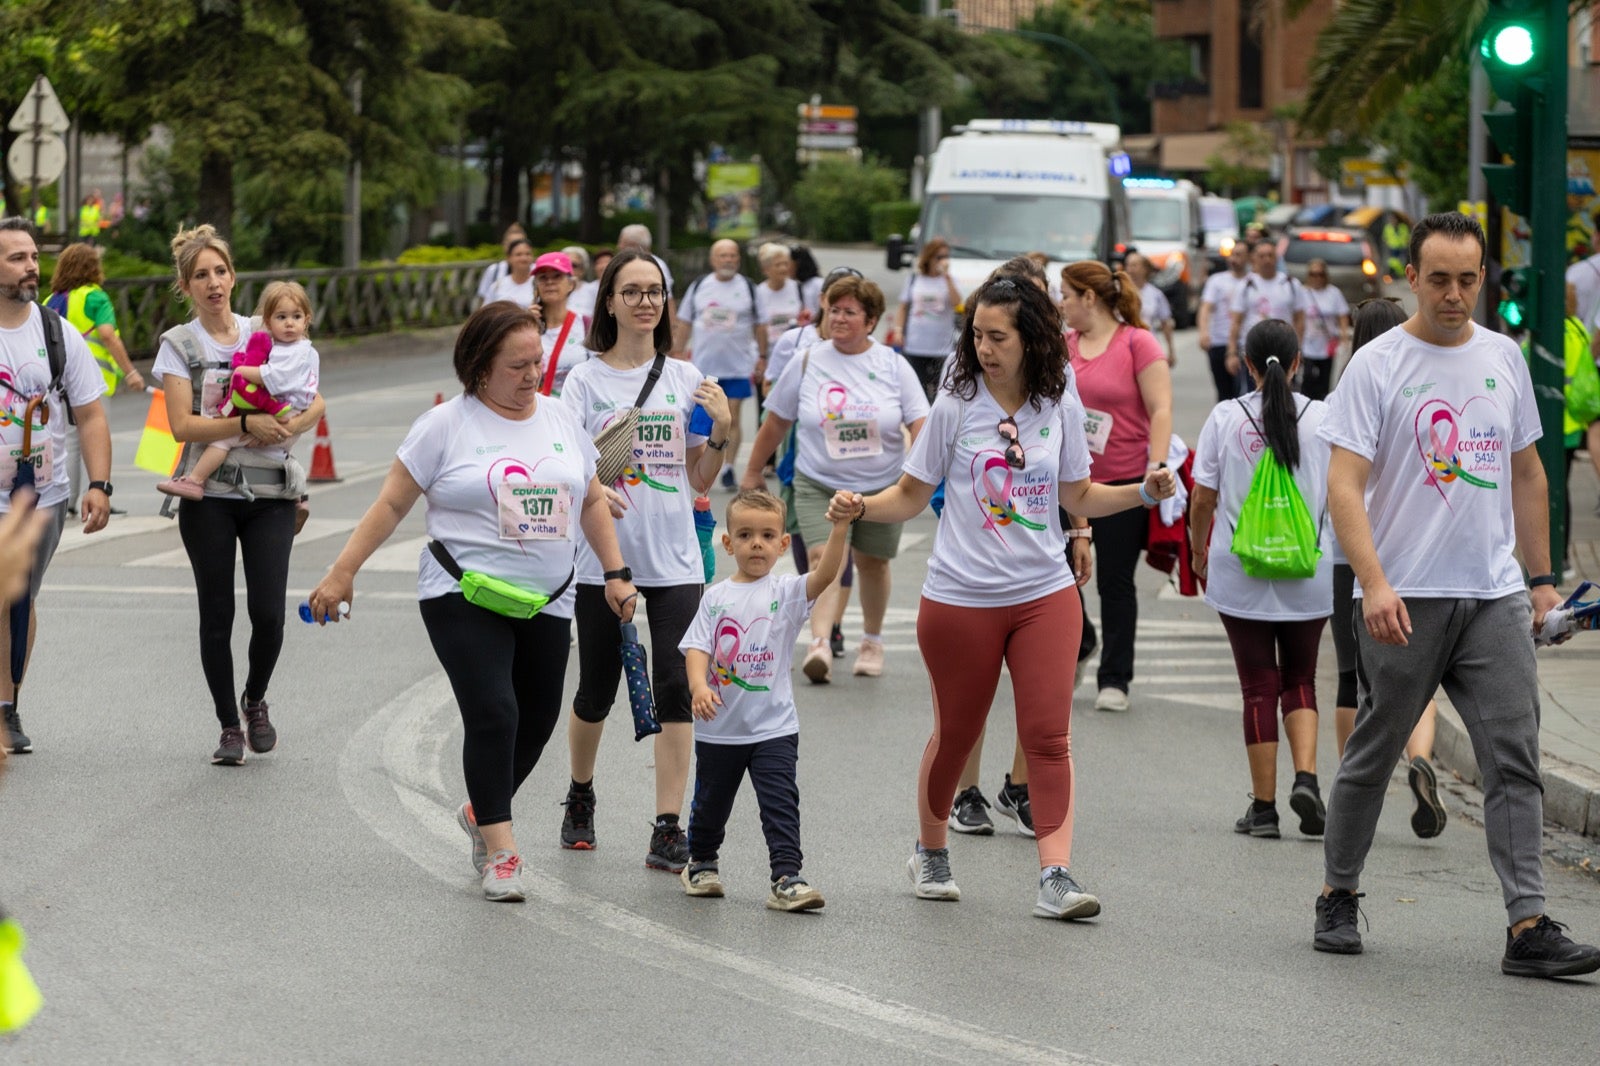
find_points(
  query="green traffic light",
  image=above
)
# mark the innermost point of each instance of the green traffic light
(1511, 45)
(1511, 313)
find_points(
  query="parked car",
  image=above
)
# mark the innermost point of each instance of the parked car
(1351, 258)
(1220, 220)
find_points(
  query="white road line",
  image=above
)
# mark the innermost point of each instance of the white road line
(73, 538)
(401, 796)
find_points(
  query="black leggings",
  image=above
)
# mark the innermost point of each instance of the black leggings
(929, 368)
(672, 608)
(1316, 375)
(264, 530)
(506, 674)
(1119, 542)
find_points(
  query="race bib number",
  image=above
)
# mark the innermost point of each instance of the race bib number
(214, 387)
(533, 511)
(659, 438)
(721, 319)
(780, 321)
(39, 458)
(852, 440)
(1097, 428)
(927, 306)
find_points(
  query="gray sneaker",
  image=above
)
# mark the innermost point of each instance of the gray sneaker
(1062, 897)
(793, 894)
(502, 878)
(701, 880)
(930, 874)
(469, 825)
(230, 752)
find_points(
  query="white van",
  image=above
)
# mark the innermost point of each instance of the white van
(1164, 214)
(1004, 187)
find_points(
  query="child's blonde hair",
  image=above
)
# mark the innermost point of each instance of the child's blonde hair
(280, 292)
(757, 500)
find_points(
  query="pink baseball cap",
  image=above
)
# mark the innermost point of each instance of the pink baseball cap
(560, 262)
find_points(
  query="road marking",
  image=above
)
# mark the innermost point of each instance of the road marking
(390, 773)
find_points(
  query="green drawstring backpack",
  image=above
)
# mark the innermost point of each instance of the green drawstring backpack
(1275, 537)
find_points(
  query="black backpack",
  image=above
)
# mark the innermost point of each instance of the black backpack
(55, 348)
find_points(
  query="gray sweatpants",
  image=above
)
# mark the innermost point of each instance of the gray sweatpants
(1482, 652)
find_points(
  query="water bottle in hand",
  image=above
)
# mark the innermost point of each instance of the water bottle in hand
(343, 611)
(700, 423)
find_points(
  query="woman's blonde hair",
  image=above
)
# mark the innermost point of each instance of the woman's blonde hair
(283, 292)
(187, 245)
(770, 251)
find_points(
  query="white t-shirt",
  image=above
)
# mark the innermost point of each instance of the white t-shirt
(1258, 299)
(999, 540)
(1584, 276)
(779, 309)
(1225, 461)
(572, 353)
(291, 373)
(1324, 308)
(469, 461)
(722, 318)
(656, 532)
(506, 288)
(583, 298)
(1154, 307)
(27, 374)
(930, 316)
(811, 296)
(666, 272)
(214, 392)
(749, 629)
(784, 348)
(491, 274)
(1218, 294)
(850, 414)
(1440, 426)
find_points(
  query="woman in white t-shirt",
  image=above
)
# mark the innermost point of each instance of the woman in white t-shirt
(564, 327)
(632, 337)
(1327, 325)
(516, 285)
(924, 323)
(262, 528)
(1005, 436)
(856, 406)
(509, 480)
(1274, 625)
(778, 303)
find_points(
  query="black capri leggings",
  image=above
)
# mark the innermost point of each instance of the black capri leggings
(264, 531)
(1345, 647)
(507, 675)
(672, 608)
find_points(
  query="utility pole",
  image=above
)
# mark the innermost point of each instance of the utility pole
(352, 186)
(932, 120)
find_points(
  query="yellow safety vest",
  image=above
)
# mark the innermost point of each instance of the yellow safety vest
(109, 370)
(89, 220)
(41, 218)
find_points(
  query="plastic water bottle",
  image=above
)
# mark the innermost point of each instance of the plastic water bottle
(305, 611)
(700, 423)
(705, 527)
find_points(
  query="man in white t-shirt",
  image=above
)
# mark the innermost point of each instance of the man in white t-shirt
(1154, 307)
(1216, 322)
(25, 359)
(1434, 484)
(1266, 293)
(1584, 276)
(722, 334)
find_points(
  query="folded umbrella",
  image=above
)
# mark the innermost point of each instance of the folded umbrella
(636, 669)
(23, 605)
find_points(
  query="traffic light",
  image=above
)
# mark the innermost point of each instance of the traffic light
(1512, 44)
(1518, 297)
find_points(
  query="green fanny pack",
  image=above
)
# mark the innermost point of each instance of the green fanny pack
(494, 593)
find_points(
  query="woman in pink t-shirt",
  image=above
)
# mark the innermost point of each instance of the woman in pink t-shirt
(1126, 389)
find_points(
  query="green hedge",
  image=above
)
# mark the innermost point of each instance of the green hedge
(896, 216)
(834, 201)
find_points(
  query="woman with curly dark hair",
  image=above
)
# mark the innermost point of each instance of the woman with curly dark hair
(1006, 437)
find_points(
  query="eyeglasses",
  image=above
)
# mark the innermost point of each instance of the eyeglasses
(1016, 458)
(633, 297)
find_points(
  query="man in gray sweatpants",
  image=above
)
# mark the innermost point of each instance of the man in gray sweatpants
(1433, 484)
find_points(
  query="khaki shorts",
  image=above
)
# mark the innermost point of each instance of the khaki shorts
(881, 540)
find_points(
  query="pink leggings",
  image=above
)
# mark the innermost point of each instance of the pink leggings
(963, 648)
(1277, 663)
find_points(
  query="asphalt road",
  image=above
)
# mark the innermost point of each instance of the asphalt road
(316, 904)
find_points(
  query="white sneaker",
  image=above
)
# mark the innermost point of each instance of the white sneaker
(502, 878)
(930, 874)
(818, 665)
(869, 659)
(1062, 897)
(1111, 699)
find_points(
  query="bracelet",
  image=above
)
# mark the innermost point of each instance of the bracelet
(714, 446)
(1542, 579)
(862, 515)
(1083, 533)
(1149, 500)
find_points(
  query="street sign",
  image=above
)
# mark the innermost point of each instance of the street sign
(815, 112)
(43, 169)
(828, 125)
(835, 141)
(40, 107)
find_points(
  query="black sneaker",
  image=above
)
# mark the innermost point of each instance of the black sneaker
(577, 825)
(231, 751)
(728, 481)
(1336, 930)
(257, 726)
(1260, 820)
(1306, 801)
(968, 814)
(836, 642)
(1544, 950)
(669, 847)
(1428, 819)
(17, 742)
(1012, 801)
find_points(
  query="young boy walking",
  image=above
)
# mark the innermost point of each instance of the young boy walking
(738, 652)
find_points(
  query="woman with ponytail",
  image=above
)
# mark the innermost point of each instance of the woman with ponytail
(1274, 625)
(1126, 389)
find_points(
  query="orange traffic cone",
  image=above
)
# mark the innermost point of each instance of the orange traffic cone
(322, 455)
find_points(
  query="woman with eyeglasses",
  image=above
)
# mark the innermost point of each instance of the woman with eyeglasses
(924, 323)
(1327, 325)
(632, 338)
(855, 406)
(1126, 390)
(1274, 625)
(516, 284)
(1006, 437)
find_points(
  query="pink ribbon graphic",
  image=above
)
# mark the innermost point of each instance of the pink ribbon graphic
(1443, 459)
(831, 398)
(725, 643)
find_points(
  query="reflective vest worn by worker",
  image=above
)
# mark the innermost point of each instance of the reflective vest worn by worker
(89, 220)
(76, 313)
(1396, 239)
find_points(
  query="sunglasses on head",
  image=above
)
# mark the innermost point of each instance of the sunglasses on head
(1016, 458)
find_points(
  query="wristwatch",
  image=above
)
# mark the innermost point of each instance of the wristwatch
(1533, 582)
(103, 486)
(624, 574)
